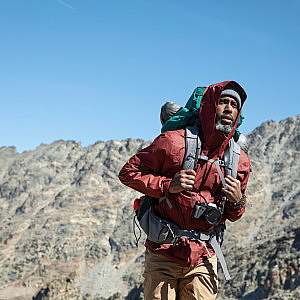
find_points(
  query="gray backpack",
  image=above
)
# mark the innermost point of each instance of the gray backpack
(163, 231)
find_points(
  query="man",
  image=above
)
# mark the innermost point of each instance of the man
(188, 268)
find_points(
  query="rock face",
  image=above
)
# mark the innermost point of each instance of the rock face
(263, 247)
(66, 222)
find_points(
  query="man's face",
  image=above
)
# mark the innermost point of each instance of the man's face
(227, 111)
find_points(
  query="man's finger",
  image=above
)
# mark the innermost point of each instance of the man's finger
(189, 177)
(190, 172)
(235, 183)
(228, 193)
(186, 181)
(229, 189)
(231, 179)
(187, 186)
(189, 182)
(230, 184)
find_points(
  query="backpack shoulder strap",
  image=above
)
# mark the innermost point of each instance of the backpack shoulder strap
(231, 158)
(192, 147)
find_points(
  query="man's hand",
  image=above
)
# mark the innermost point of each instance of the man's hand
(183, 180)
(233, 190)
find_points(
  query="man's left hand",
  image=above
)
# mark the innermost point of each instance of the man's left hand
(233, 189)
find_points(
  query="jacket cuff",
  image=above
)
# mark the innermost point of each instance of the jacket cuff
(234, 207)
(166, 185)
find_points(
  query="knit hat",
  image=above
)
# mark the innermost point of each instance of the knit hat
(234, 94)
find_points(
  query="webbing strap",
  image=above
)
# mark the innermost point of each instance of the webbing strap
(217, 163)
(212, 240)
(235, 158)
(193, 235)
(192, 147)
(231, 158)
(216, 246)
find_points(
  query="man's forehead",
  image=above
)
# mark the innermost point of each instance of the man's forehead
(233, 96)
(228, 97)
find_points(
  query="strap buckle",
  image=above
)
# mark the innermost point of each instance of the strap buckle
(221, 163)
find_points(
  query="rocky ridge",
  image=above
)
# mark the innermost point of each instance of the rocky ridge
(66, 222)
(264, 245)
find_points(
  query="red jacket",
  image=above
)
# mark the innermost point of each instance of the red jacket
(151, 170)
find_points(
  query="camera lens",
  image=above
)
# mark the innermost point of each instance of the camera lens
(213, 215)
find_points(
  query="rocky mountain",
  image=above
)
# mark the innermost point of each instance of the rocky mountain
(66, 222)
(264, 246)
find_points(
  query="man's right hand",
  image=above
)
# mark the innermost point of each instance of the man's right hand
(183, 180)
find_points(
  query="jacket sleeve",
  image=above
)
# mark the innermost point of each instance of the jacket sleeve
(232, 212)
(143, 171)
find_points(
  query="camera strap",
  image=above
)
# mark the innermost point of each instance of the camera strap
(218, 163)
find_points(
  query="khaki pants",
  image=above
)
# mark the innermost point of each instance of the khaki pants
(166, 280)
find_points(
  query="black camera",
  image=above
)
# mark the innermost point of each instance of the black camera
(209, 211)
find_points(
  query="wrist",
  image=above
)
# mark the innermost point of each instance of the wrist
(241, 202)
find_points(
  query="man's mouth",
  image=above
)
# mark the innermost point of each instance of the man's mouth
(226, 119)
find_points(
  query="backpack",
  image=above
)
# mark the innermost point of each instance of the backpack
(157, 229)
(186, 117)
(163, 231)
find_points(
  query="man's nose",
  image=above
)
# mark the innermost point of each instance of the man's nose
(228, 108)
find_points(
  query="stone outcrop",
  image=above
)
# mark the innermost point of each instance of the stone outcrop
(66, 222)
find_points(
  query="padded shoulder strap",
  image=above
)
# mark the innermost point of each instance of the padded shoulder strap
(231, 158)
(192, 147)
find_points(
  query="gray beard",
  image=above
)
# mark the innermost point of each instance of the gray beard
(223, 128)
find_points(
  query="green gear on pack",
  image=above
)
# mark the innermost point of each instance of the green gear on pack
(163, 231)
(186, 116)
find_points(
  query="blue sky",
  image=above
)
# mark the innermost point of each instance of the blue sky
(90, 70)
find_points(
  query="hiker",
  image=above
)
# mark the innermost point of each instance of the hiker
(194, 197)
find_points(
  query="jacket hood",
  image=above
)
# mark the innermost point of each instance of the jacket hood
(214, 141)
